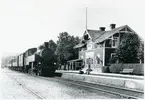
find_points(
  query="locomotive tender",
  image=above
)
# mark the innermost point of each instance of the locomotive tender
(35, 61)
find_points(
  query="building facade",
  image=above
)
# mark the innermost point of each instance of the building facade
(97, 47)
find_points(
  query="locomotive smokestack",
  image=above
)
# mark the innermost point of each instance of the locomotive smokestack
(46, 44)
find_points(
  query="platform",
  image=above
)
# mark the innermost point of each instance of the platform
(132, 82)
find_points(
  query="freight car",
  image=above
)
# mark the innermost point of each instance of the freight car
(35, 61)
(13, 64)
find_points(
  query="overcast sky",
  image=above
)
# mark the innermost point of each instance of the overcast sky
(28, 23)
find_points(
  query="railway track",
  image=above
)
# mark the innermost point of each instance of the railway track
(121, 92)
(28, 89)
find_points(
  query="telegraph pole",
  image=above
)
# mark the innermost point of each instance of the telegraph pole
(86, 18)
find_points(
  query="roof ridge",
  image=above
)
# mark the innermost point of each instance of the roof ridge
(96, 34)
(119, 27)
(108, 30)
(93, 30)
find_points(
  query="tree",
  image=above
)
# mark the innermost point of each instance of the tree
(141, 52)
(128, 50)
(52, 45)
(41, 47)
(65, 46)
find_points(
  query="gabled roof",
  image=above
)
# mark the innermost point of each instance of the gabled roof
(99, 36)
(107, 34)
(94, 34)
(79, 45)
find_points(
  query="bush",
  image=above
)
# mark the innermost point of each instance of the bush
(138, 68)
(105, 69)
(128, 49)
(115, 68)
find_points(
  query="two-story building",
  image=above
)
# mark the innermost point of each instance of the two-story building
(98, 46)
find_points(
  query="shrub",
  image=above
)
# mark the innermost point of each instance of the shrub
(105, 69)
(138, 68)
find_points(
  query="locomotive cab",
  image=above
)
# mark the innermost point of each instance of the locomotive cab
(29, 59)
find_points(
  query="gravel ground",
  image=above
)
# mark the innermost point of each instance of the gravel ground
(11, 90)
(47, 89)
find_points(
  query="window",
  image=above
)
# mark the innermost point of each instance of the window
(86, 37)
(108, 43)
(113, 60)
(97, 45)
(114, 42)
(89, 46)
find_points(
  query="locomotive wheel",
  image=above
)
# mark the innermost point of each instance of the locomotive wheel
(33, 73)
(29, 71)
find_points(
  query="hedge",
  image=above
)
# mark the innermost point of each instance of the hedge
(138, 68)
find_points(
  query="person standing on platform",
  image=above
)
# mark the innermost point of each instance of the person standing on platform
(89, 61)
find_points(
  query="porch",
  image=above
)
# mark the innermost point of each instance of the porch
(76, 64)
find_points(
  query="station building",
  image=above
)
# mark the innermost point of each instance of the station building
(97, 47)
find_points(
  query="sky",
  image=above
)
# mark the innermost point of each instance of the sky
(29, 23)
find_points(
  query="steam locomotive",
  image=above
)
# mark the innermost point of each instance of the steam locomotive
(35, 61)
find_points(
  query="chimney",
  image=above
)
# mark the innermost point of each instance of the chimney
(102, 28)
(112, 26)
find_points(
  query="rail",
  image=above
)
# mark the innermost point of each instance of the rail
(27, 88)
(122, 92)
